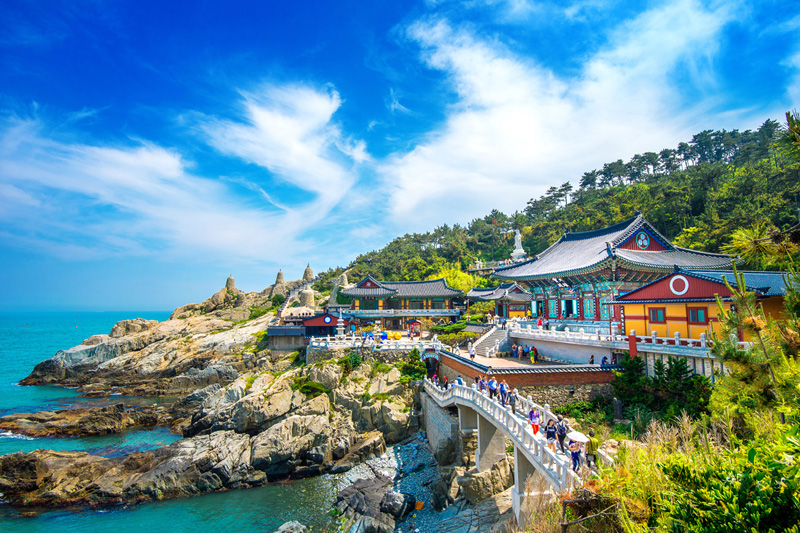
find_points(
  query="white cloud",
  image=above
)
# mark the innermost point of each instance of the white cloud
(78, 200)
(517, 128)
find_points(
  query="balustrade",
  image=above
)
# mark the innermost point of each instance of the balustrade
(555, 468)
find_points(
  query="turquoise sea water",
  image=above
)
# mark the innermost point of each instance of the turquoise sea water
(27, 339)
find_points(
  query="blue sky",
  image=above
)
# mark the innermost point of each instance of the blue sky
(149, 149)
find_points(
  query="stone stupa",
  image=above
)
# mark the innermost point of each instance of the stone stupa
(308, 274)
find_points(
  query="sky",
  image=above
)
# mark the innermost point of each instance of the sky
(150, 149)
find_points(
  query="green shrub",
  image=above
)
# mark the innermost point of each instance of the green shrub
(450, 328)
(458, 338)
(350, 361)
(249, 383)
(278, 300)
(310, 389)
(412, 368)
(753, 488)
(262, 339)
(379, 368)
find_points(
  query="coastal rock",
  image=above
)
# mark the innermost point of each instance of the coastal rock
(302, 439)
(81, 422)
(190, 466)
(292, 527)
(195, 379)
(361, 502)
(185, 311)
(129, 327)
(327, 375)
(477, 486)
(397, 504)
(492, 515)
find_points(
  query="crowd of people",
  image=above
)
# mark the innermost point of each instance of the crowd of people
(555, 432)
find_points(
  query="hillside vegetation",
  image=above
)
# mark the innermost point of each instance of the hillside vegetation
(697, 194)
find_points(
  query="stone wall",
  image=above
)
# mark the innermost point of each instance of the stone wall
(558, 395)
(441, 428)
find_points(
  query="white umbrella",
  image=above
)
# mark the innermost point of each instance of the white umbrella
(577, 436)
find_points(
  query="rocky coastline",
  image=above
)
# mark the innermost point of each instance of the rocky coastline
(249, 415)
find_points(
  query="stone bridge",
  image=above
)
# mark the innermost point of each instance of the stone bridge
(492, 423)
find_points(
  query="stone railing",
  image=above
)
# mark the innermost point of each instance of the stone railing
(379, 313)
(668, 345)
(555, 468)
(350, 342)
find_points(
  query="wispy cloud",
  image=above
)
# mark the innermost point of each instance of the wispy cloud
(86, 201)
(518, 128)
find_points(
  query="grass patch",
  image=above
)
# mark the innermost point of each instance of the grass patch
(310, 389)
(379, 368)
(382, 397)
(248, 383)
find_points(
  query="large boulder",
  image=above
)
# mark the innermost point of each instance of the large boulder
(477, 486)
(129, 327)
(300, 440)
(326, 375)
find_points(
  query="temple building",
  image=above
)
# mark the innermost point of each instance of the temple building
(396, 303)
(581, 274)
(510, 300)
(684, 302)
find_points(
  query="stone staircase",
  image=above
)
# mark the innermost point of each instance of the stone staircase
(491, 342)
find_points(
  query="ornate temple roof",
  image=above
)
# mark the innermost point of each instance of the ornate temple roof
(633, 243)
(703, 286)
(370, 287)
(506, 291)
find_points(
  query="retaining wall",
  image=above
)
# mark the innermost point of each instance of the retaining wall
(440, 426)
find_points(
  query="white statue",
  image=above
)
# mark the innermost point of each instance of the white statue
(518, 252)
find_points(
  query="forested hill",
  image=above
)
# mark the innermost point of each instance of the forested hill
(696, 194)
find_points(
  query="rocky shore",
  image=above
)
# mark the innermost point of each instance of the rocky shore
(249, 416)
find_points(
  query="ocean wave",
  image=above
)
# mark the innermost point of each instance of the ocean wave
(9, 435)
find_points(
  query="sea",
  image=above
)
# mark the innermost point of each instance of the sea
(29, 338)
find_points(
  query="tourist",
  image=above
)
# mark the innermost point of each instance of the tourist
(459, 381)
(591, 359)
(492, 388)
(512, 401)
(520, 352)
(591, 449)
(604, 361)
(613, 359)
(575, 450)
(513, 349)
(551, 433)
(546, 323)
(535, 419)
(562, 428)
(477, 383)
(472, 352)
(539, 322)
(526, 353)
(503, 392)
(482, 384)
(435, 379)
(444, 383)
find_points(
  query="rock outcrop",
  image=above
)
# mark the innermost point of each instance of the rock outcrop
(82, 422)
(371, 505)
(308, 274)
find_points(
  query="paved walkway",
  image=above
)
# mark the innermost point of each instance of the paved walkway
(509, 362)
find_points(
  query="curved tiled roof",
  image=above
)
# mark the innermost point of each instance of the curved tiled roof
(763, 283)
(434, 288)
(501, 292)
(588, 251)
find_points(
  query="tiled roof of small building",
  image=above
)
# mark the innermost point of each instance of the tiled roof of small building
(576, 253)
(436, 288)
(764, 283)
(501, 292)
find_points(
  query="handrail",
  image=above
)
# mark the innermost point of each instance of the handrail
(556, 469)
